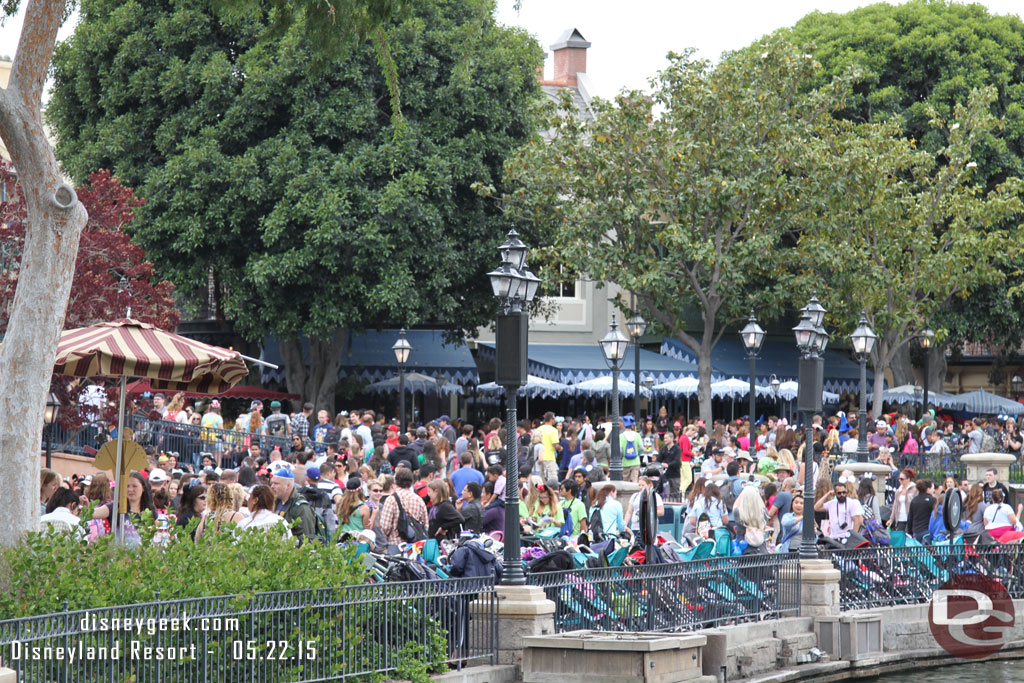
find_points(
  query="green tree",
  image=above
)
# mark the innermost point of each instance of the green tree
(681, 196)
(921, 57)
(286, 178)
(898, 231)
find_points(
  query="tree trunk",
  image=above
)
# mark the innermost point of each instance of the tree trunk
(704, 382)
(937, 369)
(55, 222)
(902, 368)
(879, 364)
(317, 383)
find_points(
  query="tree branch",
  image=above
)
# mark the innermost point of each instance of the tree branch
(35, 48)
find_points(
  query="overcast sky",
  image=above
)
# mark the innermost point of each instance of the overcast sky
(630, 39)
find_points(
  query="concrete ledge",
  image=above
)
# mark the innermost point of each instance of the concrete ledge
(476, 674)
(523, 602)
(607, 641)
(8, 676)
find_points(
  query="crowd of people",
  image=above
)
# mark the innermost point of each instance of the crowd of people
(357, 477)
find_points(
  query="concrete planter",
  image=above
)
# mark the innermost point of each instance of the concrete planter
(597, 656)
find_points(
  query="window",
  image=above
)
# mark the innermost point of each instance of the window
(567, 286)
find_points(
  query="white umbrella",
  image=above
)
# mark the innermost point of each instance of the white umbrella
(730, 388)
(603, 385)
(534, 387)
(684, 386)
(789, 390)
(415, 383)
(909, 393)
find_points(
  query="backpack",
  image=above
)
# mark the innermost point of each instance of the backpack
(526, 457)
(567, 525)
(596, 526)
(729, 493)
(320, 530)
(277, 425)
(321, 502)
(988, 444)
(409, 530)
(630, 452)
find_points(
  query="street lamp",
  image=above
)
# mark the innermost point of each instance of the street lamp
(811, 340)
(614, 345)
(514, 286)
(636, 326)
(49, 417)
(649, 382)
(402, 349)
(864, 339)
(752, 336)
(1016, 386)
(927, 341)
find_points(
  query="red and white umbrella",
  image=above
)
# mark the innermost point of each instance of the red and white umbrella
(129, 348)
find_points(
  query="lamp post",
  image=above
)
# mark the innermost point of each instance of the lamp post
(927, 341)
(1016, 386)
(514, 287)
(636, 326)
(614, 345)
(864, 339)
(776, 385)
(752, 336)
(402, 349)
(649, 385)
(811, 339)
(49, 417)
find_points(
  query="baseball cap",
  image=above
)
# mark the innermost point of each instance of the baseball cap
(628, 421)
(313, 472)
(353, 484)
(677, 423)
(421, 431)
(392, 428)
(444, 418)
(256, 404)
(158, 475)
(275, 404)
(279, 465)
(284, 473)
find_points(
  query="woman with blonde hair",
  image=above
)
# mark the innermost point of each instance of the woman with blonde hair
(176, 409)
(220, 510)
(238, 496)
(749, 511)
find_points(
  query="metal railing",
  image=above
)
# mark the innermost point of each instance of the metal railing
(881, 576)
(681, 596)
(349, 633)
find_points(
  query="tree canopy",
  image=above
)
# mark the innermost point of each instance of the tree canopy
(289, 182)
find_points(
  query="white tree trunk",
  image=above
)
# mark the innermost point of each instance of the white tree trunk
(317, 384)
(55, 222)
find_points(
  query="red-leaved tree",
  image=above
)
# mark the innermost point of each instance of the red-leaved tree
(111, 273)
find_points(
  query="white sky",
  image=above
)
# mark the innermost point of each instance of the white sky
(630, 39)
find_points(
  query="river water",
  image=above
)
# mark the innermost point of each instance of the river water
(983, 672)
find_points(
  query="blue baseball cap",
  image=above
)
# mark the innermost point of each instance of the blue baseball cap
(628, 420)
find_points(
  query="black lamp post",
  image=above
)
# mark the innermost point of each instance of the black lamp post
(614, 345)
(514, 286)
(752, 336)
(927, 341)
(1016, 386)
(49, 417)
(636, 326)
(402, 349)
(811, 339)
(864, 339)
(649, 385)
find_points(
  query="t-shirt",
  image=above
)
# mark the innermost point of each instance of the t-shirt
(783, 501)
(715, 510)
(709, 465)
(634, 501)
(463, 476)
(940, 447)
(670, 455)
(577, 511)
(975, 441)
(324, 434)
(850, 446)
(987, 491)
(998, 515)
(276, 425)
(548, 438)
(211, 421)
(842, 514)
(630, 446)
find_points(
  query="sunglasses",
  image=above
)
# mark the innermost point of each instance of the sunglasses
(202, 497)
(376, 490)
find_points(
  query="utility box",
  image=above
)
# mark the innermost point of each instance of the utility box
(851, 636)
(607, 657)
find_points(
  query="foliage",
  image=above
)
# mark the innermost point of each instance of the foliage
(105, 256)
(288, 184)
(42, 571)
(920, 58)
(680, 196)
(898, 230)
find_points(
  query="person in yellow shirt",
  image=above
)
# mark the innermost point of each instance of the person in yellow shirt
(550, 444)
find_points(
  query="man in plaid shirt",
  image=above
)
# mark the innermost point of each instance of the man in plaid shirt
(300, 421)
(411, 503)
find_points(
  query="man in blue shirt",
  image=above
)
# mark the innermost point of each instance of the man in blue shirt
(465, 474)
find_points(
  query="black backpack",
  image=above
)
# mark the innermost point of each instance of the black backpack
(409, 530)
(595, 526)
(322, 504)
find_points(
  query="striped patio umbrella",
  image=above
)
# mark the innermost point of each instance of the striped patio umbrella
(129, 348)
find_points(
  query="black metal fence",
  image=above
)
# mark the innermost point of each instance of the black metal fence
(350, 633)
(674, 597)
(879, 576)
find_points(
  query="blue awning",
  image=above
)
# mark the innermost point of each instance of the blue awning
(368, 356)
(574, 363)
(729, 359)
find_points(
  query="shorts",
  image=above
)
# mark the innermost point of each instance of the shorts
(548, 470)
(631, 473)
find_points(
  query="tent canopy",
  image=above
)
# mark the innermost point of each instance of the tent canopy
(575, 363)
(368, 356)
(909, 393)
(142, 387)
(415, 383)
(985, 403)
(534, 387)
(600, 386)
(776, 357)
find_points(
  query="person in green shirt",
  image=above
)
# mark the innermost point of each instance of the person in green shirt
(631, 445)
(573, 508)
(550, 442)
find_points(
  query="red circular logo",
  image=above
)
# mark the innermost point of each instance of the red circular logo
(971, 616)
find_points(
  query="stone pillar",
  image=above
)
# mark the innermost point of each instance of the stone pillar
(522, 611)
(819, 588)
(8, 675)
(977, 463)
(880, 471)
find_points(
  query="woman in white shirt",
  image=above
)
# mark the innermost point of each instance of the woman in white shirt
(901, 503)
(62, 512)
(710, 503)
(999, 517)
(261, 512)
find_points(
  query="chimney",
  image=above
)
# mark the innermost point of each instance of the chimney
(570, 57)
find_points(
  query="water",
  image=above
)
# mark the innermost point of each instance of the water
(989, 672)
